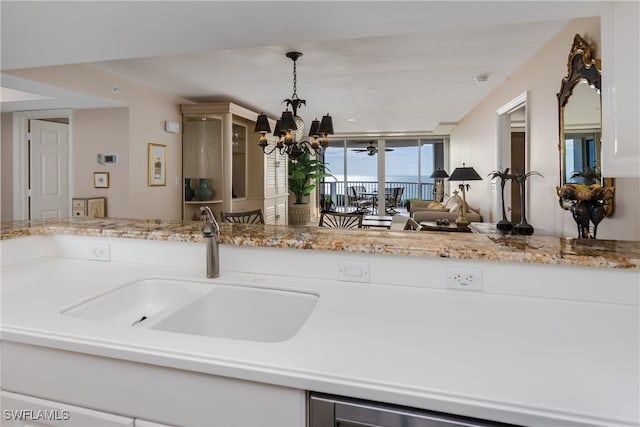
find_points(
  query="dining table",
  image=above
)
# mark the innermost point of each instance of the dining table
(374, 198)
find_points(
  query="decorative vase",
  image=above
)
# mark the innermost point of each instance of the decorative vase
(587, 203)
(523, 227)
(504, 225)
(203, 192)
(188, 191)
(597, 211)
(580, 213)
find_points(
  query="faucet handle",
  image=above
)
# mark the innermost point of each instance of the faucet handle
(210, 224)
(208, 213)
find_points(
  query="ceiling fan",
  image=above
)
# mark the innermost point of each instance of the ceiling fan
(371, 149)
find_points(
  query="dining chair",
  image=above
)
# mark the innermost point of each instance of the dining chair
(247, 217)
(356, 199)
(340, 220)
(394, 200)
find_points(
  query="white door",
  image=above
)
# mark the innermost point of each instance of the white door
(49, 170)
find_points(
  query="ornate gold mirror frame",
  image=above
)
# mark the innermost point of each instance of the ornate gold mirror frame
(585, 193)
(581, 67)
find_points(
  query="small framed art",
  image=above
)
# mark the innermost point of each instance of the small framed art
(157, 164)
(101, 180)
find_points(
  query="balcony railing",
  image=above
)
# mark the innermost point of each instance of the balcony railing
(336, 191)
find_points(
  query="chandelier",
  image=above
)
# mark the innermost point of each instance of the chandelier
(290, 127)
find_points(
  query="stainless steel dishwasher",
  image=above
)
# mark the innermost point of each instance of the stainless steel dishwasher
(334, 411)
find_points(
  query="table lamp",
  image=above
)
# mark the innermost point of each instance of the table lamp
(439, 175)
(464, 173)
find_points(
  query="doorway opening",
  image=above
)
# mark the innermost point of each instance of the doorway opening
(512, 153)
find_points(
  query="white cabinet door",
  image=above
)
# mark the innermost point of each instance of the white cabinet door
(620, 90)
(275, 175)
(275, 188)
(281, 210)
(25, 411)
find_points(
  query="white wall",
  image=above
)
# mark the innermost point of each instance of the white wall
(148, 109)
(474, 141)
(105, 131)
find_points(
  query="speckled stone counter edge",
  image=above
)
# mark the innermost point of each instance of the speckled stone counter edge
(517, 249)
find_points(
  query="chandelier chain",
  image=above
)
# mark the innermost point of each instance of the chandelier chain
(295, 80)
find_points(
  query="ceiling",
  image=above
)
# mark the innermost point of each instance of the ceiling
(377, 67)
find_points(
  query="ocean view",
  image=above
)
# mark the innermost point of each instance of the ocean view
(335, 188)
(371, 178)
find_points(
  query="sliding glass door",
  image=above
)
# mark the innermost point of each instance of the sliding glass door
(406, 166)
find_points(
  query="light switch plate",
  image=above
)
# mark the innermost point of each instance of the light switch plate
(353, 272)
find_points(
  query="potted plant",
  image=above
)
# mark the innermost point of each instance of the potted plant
(407, 203)
(326, 204)
(304, 173)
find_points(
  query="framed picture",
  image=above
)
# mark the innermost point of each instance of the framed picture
(157, 165)
(101, 180)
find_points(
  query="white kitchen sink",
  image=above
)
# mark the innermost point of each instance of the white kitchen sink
(242, 313)
(205, 309)
(146, 298)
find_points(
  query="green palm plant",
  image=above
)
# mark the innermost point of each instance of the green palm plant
(304, 172)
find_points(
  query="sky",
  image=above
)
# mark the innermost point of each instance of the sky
(399, 162)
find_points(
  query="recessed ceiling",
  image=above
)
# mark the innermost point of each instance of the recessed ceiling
(392, 66)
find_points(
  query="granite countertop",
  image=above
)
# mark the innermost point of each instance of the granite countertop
(503, 248)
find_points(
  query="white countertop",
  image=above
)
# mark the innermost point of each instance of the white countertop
(534, 361)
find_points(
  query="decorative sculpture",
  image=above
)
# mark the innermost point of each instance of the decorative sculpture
(587, 203)
(504, 225)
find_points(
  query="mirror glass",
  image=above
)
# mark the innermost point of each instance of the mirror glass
(582, 131)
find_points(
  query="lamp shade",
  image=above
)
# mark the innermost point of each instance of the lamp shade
(276, 130)
(465, 173)
(315, 128)
(326, 125)
(287, 121)
(262, 124)
(439, 173)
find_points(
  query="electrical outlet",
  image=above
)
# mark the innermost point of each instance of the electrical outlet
(464, 278)
(99, 252)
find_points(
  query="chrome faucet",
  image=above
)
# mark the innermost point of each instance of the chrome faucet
(211, 232)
